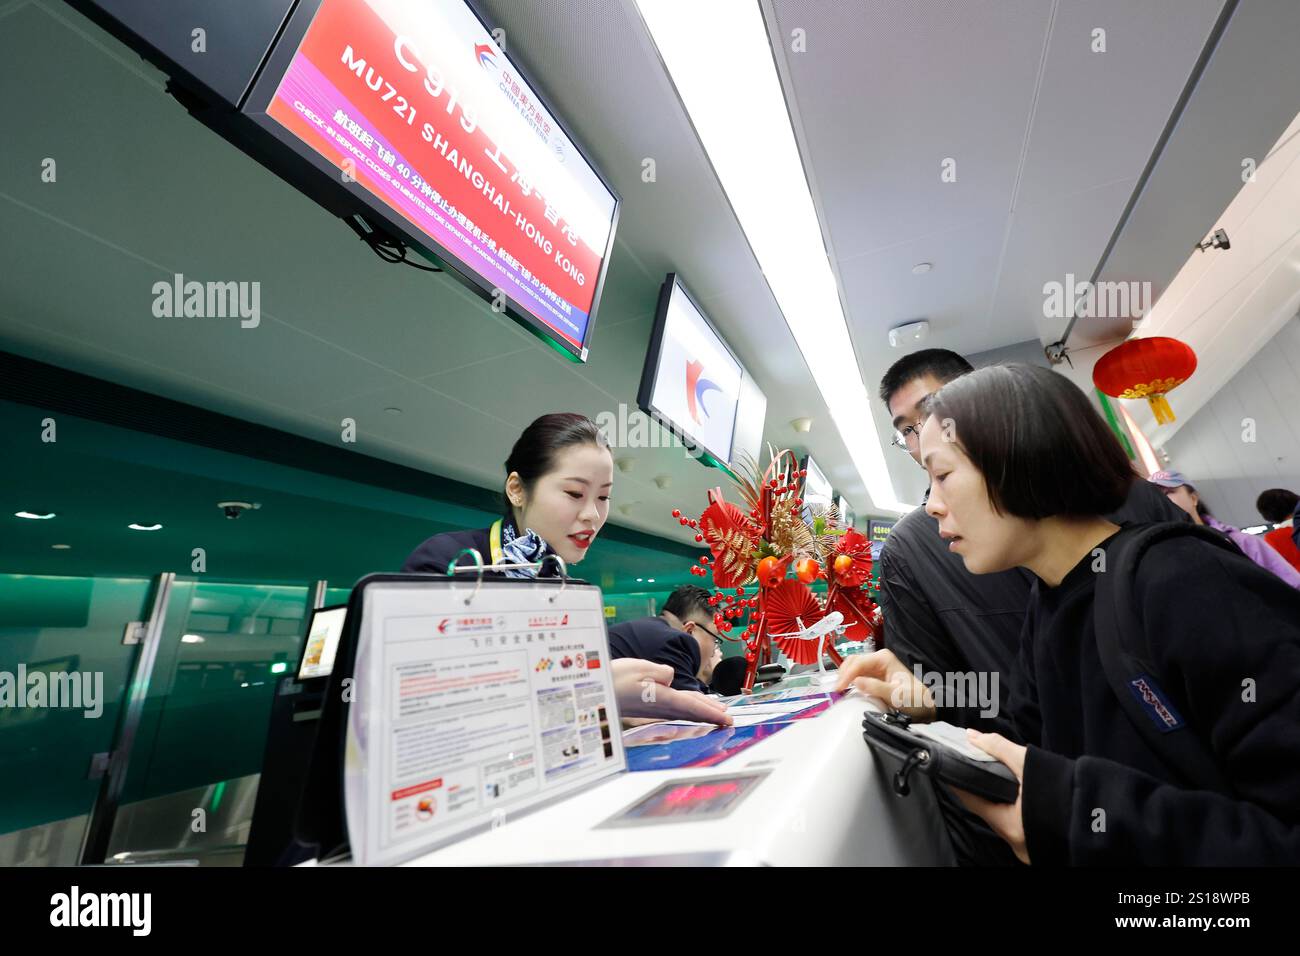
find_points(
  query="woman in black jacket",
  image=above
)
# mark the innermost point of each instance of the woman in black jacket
(558, 481)
(1023, 471)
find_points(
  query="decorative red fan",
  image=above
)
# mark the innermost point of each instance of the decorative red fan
(858, 623)
(732, 537)
(792, 608)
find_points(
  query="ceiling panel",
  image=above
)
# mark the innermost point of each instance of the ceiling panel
(1099, 114)
(882, 94)
(954, 296)
(1049, 139)
(885, 91)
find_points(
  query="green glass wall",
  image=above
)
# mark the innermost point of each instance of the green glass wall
(60, 625)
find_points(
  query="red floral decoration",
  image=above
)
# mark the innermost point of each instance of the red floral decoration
(857, 570)
(765, 540)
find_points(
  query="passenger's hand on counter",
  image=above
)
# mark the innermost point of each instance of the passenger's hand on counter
(644, 689)
(882, 675)
(1005, 819)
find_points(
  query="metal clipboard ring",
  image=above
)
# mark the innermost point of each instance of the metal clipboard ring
(453, 570)
(564, 574)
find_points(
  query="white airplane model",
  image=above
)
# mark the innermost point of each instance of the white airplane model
(832, 622)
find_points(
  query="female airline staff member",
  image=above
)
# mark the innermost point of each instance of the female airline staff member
(1023, 471)
(558, 481)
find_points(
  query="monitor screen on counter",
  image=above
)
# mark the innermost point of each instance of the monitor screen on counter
(323, 634)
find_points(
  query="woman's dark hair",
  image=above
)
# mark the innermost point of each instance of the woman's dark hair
(1276, 505)
(1202, 508)
(1042, 448)
(536, 449)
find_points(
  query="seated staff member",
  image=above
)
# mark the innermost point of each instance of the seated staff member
(1024, 478)
(1178, 490)
(1277, 506)
(682, 637)
(558, 481)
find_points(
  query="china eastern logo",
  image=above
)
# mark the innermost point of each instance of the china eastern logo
(485, 57)
(463, 625)
(696, 388)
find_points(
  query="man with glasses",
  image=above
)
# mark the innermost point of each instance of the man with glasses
(940, 617)
(683, 636)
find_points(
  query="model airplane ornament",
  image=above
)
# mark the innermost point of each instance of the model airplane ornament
(754, 548)
(831, 625)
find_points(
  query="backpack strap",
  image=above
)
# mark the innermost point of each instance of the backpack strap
(1129, 665)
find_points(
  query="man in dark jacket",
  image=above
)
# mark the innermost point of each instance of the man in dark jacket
(961, 631)
(682, 636)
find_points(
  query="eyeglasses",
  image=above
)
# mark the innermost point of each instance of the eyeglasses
(717, 638)
(906, 434)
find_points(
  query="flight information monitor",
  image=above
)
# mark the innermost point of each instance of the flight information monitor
(424, 117)
(691, 381)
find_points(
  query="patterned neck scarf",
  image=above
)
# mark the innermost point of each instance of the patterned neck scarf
(526, 548)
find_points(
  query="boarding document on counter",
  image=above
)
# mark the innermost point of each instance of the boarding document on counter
(465, 716)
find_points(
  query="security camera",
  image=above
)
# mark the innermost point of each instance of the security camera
(234, 509)
(1218, 240)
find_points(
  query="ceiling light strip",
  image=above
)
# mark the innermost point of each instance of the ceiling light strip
(720, 61)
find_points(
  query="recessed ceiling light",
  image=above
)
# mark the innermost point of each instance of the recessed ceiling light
(651, 581)
(639, 580)
(921, 268)
(61, 547)
(34, 515)
(144, 527)
(191, 639)
(393, 410)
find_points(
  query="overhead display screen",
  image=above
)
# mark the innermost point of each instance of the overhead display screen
(816, 490)
(691, 381)
(416, 103)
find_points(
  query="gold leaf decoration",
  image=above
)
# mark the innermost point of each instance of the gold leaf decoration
(789, 534)
(733, 562)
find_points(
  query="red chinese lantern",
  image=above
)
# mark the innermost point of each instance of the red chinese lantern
(1146, 368)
